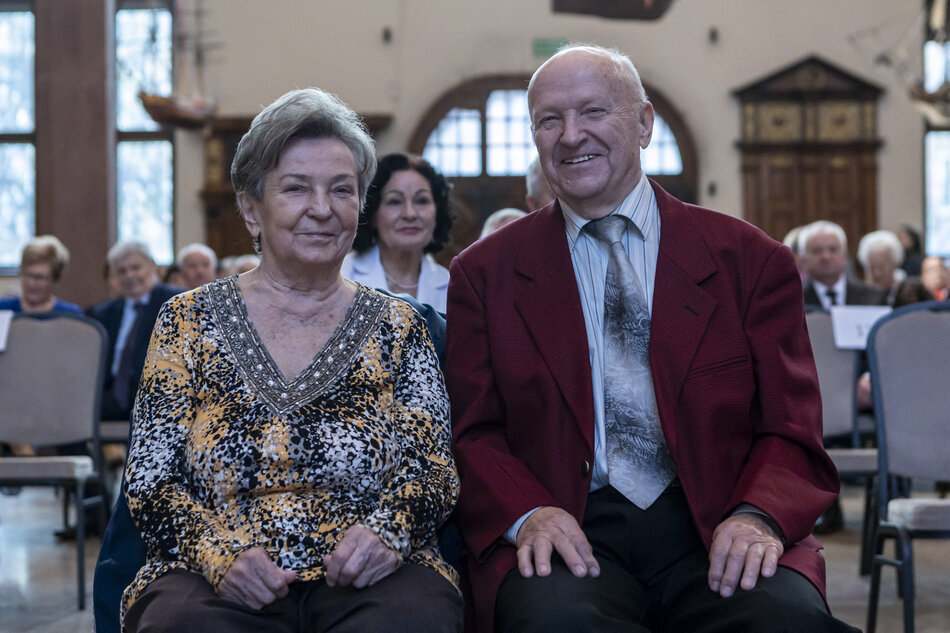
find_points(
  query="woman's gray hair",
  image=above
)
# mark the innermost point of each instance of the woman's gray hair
(305, 113)
(880, 240)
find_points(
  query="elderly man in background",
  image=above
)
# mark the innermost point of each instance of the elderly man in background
(632, 389)
(198, 265)
(128, 320)
(539, 191)
(823, 247)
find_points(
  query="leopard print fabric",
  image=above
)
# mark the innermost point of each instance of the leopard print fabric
(227, 455)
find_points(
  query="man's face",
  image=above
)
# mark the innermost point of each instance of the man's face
(196, 269)
(134, 275)
(588, 131)
(825, 258)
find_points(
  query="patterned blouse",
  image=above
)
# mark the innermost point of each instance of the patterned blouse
(227, 455)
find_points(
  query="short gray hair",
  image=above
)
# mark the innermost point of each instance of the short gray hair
(304, 113)
(121, 250)
(880, 240)
(534, 179)
(820, 226)
(197, 247)
(626, 72)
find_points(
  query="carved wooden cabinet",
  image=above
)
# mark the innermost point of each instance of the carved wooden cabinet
(809, 149)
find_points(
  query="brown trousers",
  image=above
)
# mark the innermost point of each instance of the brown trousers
(412, 599)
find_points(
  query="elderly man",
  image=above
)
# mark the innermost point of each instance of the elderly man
(636, 410)
(128, 320)
(198, 265)
(823, 247)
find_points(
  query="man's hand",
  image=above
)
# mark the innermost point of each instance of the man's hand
(254, 580)
(360, 559)
(549, 528)
(742, 545)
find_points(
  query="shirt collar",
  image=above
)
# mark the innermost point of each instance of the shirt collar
(639, 207)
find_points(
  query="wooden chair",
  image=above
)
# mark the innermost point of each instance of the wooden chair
(51, 377)
(909, 355)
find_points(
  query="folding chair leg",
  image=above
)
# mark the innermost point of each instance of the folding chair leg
(875, 588)
(81, 544)
(868, 526)
(906, 574)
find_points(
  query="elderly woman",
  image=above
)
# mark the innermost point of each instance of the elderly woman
(41, 265)
(407, 218)
(880, 254)
(290, 457)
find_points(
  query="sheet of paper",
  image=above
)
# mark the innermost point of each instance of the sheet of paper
(851, 324)
(6, 317)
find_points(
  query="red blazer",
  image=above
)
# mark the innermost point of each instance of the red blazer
(735, 382)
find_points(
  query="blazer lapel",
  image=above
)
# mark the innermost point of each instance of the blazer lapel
(681, 308)
(550, 306)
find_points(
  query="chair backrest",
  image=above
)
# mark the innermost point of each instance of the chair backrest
(837, 376)
(909, 354)
(51, 379)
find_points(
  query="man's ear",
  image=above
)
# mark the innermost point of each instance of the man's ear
(250, 212)
(646, 124)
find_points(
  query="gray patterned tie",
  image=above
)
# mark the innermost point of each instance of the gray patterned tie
(637, 457)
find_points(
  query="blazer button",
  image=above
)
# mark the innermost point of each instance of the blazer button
(585, 468)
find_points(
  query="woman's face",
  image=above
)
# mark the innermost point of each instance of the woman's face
(311, 205)
(881, 269)
(36, 283)
(405, 219)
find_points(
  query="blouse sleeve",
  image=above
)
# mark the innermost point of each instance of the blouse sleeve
(174, 523)
(422, 491)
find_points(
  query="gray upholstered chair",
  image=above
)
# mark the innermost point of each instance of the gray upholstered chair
(51, 376)
(909, 353)
(838, 371)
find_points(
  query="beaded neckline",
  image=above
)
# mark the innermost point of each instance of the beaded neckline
(258, 367)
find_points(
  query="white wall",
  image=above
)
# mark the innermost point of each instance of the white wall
(274, 46)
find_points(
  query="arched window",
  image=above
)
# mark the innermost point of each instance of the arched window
(479, 136)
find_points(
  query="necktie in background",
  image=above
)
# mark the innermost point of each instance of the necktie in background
(122, 385)
(832, 296)
(637, 456)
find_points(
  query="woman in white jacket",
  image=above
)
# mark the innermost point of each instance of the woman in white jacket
(406, 218)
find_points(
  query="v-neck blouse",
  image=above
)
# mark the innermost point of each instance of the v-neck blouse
(227, 454)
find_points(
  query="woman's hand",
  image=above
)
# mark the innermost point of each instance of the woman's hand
(254, 580)
(360, 559)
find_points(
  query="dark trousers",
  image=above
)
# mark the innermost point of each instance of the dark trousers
(411, 600)
(653, 579)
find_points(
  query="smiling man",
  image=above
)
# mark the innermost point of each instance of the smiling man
(636, 411)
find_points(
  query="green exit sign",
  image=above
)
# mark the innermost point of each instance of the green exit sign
(544, 47)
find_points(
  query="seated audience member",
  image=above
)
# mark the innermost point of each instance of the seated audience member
(500, 218)
(824, 247)
(246, 263)
(539, 192)
(128, 321)
(407, 218)
(41, 265)
(290, 455)
(634, 397)
(935, 275)
(913, 254)
(172, 276)
(880, 254)
(226, 266)
(198, 264)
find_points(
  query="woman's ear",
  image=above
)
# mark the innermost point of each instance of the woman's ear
(250, 212)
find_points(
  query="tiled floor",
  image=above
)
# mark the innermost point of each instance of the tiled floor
(38, 582)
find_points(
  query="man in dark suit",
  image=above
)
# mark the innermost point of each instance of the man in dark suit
(824, 248)
(129, 321)
(715, 535)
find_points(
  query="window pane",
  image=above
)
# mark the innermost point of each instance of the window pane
(662, 155)
(17, 200)
(16, 72)
(143, 57)
(938, 193)
(510, 146)
(935, 64)
(144, 177)
(455, 147)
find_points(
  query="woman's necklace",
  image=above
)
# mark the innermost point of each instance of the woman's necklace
(393, 284)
